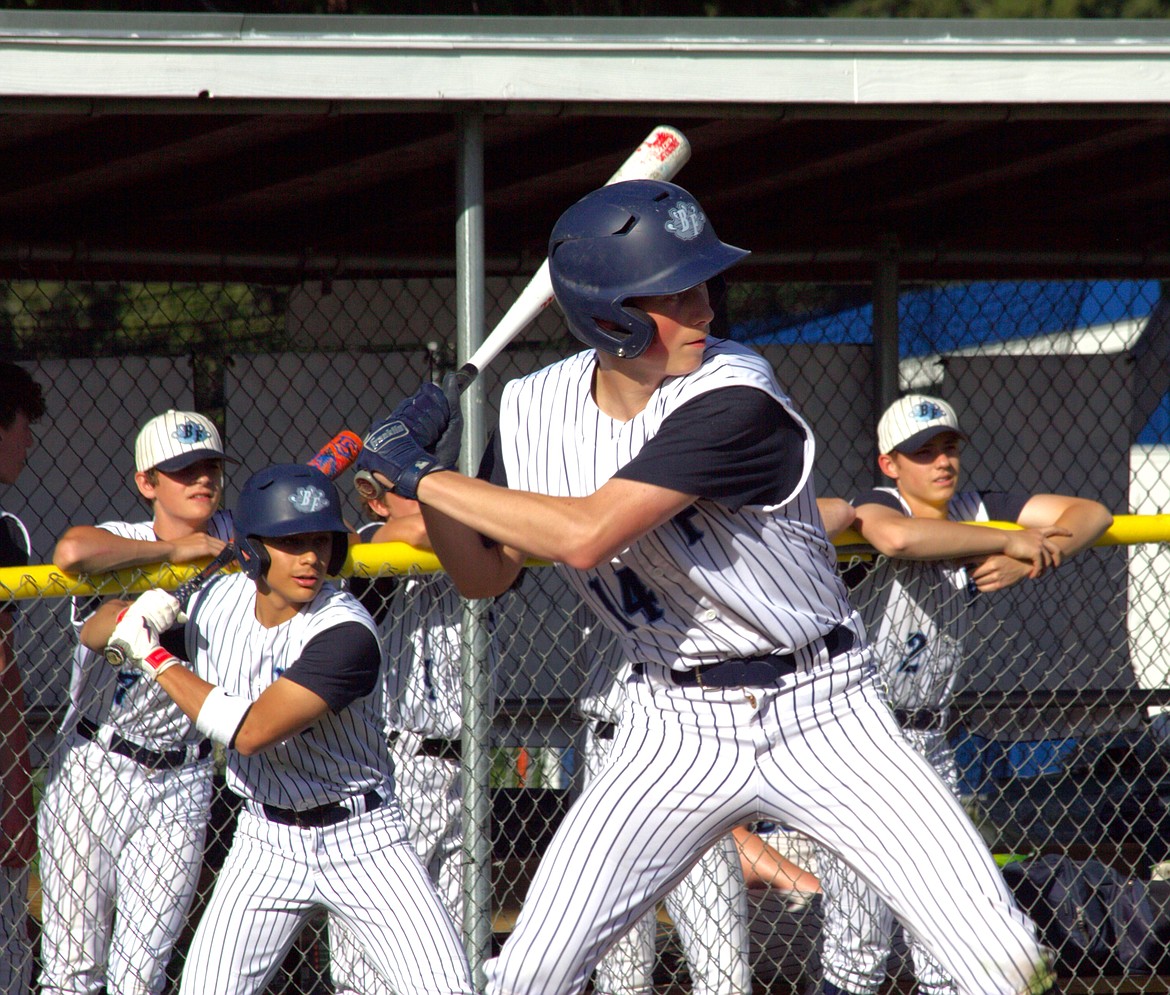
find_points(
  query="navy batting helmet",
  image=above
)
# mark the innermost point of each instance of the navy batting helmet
(637, 238)
(283, 500)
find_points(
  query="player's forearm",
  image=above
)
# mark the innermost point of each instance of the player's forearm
(98, 627)
(837, 515)
(87, 549)
(908, 538)
(410, 529)
(578, 531)
(765, 867)
(476, 570)
(186, 689)
(1087, 521)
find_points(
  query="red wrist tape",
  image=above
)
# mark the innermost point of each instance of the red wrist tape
(159, 659)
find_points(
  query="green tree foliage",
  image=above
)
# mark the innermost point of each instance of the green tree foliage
(44, 319)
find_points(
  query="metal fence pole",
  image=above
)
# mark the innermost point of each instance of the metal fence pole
(885, 332)
(477, 719)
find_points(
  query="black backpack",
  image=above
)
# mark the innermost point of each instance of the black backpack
(1096, 920)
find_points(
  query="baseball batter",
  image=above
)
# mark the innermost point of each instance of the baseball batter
(124, 813)
(671, 476)
(916, 604)
(421, 694)
(21, 405)
(282, 666)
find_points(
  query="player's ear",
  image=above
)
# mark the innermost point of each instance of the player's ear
(888, 465)
(145, 481)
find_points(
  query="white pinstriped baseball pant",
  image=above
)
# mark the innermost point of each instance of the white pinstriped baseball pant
(821, 754)
(363, 871)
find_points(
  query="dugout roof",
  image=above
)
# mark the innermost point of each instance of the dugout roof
(170, 145)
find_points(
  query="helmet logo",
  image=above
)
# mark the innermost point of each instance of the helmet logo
(308, 499)
(686, 220)
(926, 411)
(188, 433)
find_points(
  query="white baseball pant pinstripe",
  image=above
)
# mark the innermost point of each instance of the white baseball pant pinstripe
(819, 753)
(429, 791)
(858, 927)
(121, 850)
(362, 871)
(708, 908)
(16, 954)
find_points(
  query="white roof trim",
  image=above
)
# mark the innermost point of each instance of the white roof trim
(921, 372)
(711, 61)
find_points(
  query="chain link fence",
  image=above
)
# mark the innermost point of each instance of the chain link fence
(1060, 387)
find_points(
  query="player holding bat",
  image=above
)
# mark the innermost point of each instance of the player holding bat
(277, 665)
(124, 812)
(672, 478)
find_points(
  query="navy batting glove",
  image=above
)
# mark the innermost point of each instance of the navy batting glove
(427, 412)
(392, 450)
(449, 443)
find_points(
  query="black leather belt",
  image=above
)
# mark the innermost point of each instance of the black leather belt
(604, 730)
(168, 760)
(322, 815)
(755, 671)
(442, 749)
(922, 719)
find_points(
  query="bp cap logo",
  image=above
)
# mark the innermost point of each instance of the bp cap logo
(190, 433)
(927, 411)
(686, 220)
(308, 499)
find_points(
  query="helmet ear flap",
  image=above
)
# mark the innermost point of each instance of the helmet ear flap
(252, 556)
(716, 290)
(338, 555)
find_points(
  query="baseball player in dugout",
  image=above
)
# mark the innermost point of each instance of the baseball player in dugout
(422, 709)
(917, 608)
(125, 808)
(671, 477)
(22, 404)
(278, 664)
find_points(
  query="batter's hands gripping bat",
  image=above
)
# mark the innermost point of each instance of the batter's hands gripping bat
(332, 459)
(663, 153)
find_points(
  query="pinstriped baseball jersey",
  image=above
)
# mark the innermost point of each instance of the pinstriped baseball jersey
(712, 583)
(421, 685)
(341, 755)
(124, 701)
(916, 611)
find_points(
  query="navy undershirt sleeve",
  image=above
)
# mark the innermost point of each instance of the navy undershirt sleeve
(1004, 506)
(340, 665)
(491, 465)
(735, 445)
(884, 498)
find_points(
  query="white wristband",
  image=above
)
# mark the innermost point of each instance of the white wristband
(221, 715)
